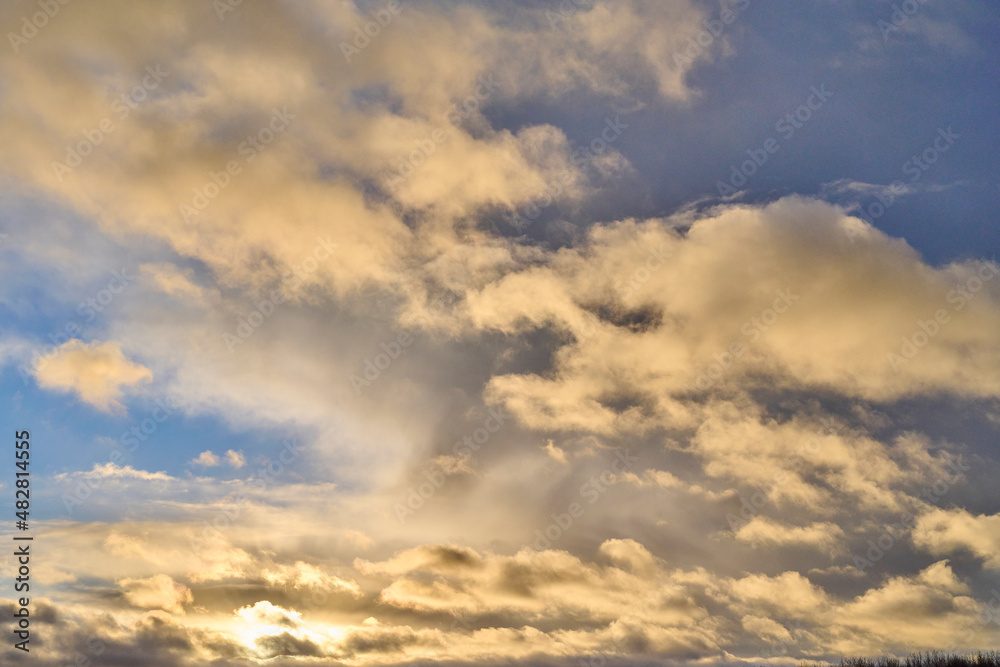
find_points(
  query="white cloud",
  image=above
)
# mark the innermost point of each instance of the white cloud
(114, 471)
(95, 372)
(209, 459)
(235, 459)
(206, 459)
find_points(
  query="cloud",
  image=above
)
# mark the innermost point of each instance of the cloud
(611, 48)
(927, 610)
(235, 459)
(761, 531)
(287, 644)
(766, 627)
(174, 281)
(156, 592)
(555, 452)
(783, 460)
(789, 594)
(95, 372)
(857, 190)
(448, 601)
(943, 531)
(378, 142)
(208, 459)
(114, 471)
(265, 613)
(629, 555)
(766, 354)
(205, 459)
(302, 575)
(652, 316)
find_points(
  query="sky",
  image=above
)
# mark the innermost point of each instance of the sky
(440, 332)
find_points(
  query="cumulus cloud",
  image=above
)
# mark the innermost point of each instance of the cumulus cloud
(789, 595)
(317, 170)
(629, 555)
(235, 459)
(929, 609)
(943, 531)
(206, 459)
(761, 531)
(792, 292)
(782, 461)
(746, 354)
(96, 372)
